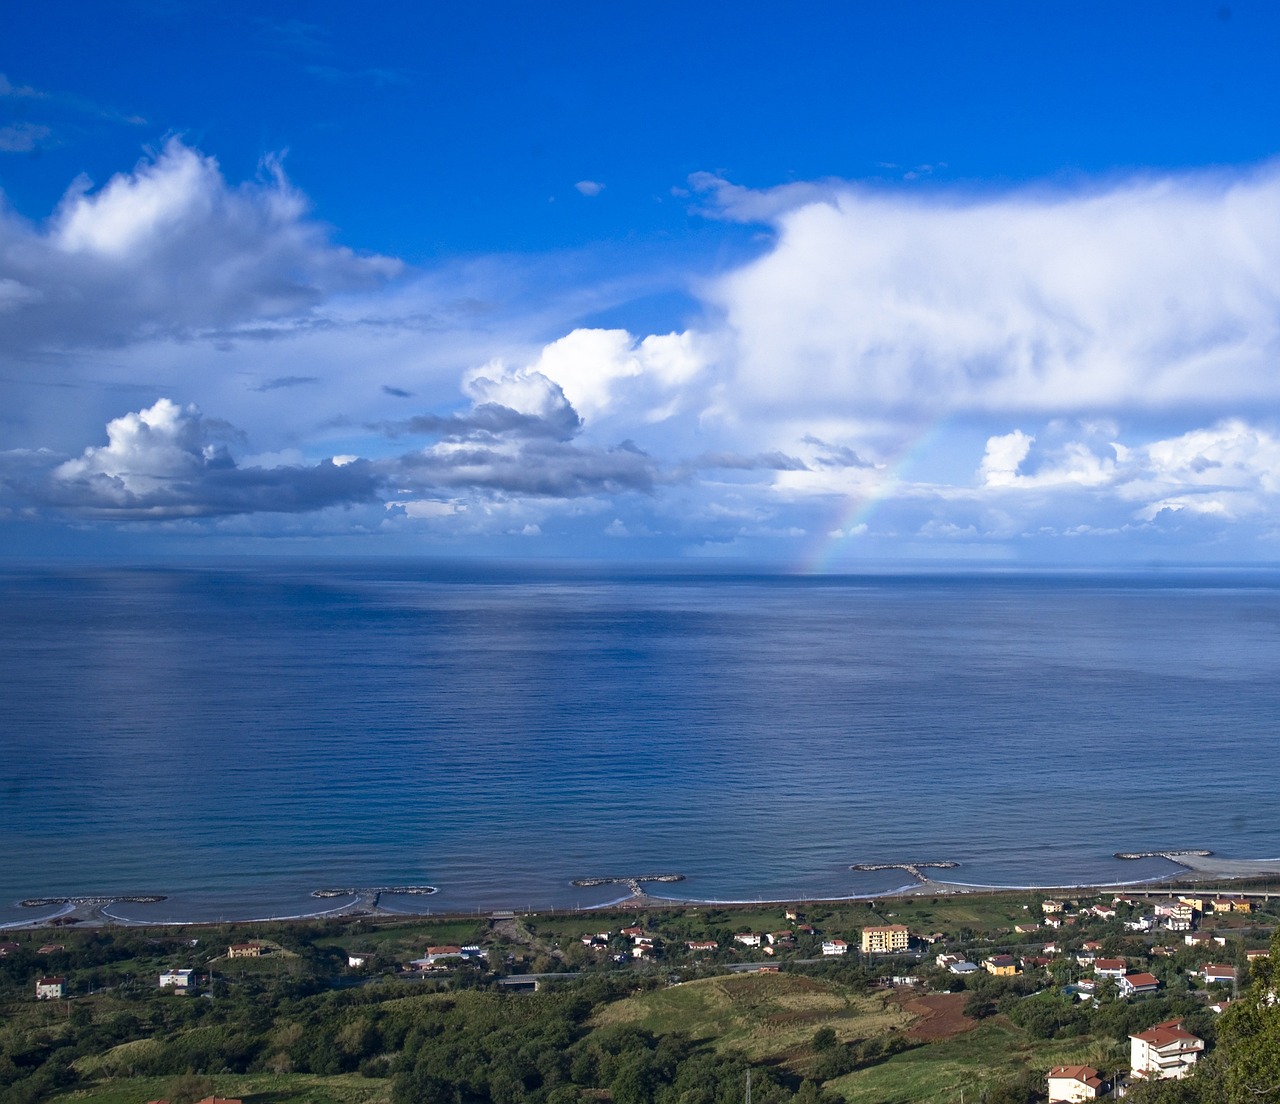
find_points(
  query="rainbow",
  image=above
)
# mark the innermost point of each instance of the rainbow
(831, 548)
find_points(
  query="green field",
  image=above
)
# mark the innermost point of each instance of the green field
(765, 1016)
(940, 1072)
(262, 1088)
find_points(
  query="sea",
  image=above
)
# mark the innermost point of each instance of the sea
(235, 736)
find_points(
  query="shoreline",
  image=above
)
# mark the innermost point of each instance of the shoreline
(1197, 867)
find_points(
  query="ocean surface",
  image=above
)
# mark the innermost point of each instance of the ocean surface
(236, 736)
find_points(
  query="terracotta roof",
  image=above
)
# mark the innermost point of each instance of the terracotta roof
(1160, 1036)
(1139, 980)
(1086, 1074)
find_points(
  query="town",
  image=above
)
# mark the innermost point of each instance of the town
(1006, 996)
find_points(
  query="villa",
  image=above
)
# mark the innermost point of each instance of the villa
(1166, 1051)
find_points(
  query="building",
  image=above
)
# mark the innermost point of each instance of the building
(1074, 1083)
(834, 947)
(1110, 967)
(1166, 1050)
(1216, 972)
(184, 980)
(881, 940)
(702, 945)
(748, 939)
(356, 959)
(1136, 984)
(246, 950)
(51, 988)
(1002, 965)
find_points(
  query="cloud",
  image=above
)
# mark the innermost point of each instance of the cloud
(589, 188)
(23, 137)
(601, 370)
(168, 461)
(1148, 294)
(517, 438)
(285, 381)
(396, 392)
(170, 249)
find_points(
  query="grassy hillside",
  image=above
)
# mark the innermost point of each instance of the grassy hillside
(766, 1016)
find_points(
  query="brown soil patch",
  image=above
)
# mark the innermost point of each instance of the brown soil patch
(941, 1016)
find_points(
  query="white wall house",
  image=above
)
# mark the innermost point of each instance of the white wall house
(1166, 1050)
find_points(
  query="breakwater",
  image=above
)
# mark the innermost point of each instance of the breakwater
(915, 869)
(1172, 856)
(135, 898)
(408, 891)
(633, 882)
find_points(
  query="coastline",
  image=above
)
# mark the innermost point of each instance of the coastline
(1196, 868)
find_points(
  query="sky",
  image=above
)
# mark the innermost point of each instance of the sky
(819, 286)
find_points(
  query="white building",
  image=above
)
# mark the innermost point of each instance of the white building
(51, 988)
(835, 947)
(178, 979)
(1073, 1084)
(1165, 1050)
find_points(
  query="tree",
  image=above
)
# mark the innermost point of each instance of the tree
(1249, 1036)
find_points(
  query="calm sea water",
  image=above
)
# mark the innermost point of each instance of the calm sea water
(236, 737)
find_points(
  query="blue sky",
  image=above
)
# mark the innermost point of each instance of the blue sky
(834, 285)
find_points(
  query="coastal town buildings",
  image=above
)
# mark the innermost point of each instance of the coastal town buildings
(883, 939)
(1166, 1050)
(1071, 1084)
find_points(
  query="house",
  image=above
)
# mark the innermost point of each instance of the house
(885, 938)
(1001, 965)
(246, 950)
(1103, 912)
(1166, 1050)
(1197, 939)
(356, 959)
(834, 947)
(1050, 948)
(1074, 1083)
(792, 914)
(1110, 967)
(962, 968)
(946, 960)
(220, 1100)
(1050, 907)
(1216, 972)
(1176, 923)
(1136, 984)
(1254, 955)
(51, 948)
(1091, 945)
(777, 937)
(1140, 924)
(632, 932)
(51, 988)
(702, 945)
(8, 948)
(748, 939)
(1194, 900)
(1026, 929)
(181, 980)
(1086, 958)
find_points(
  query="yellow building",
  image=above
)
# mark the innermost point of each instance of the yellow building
(890, 937)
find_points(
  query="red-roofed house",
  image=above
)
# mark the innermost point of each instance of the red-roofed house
(1166, 1050)
(1110, 967)
(1215, 971)
(1074, 1083)
(1131, 984)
